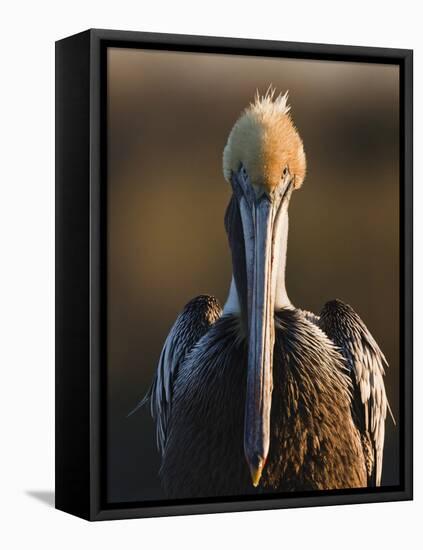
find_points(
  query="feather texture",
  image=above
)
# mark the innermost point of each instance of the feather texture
(366, 364)
(194, 321)
(314, 441)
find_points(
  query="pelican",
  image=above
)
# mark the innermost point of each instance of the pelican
(262, 396)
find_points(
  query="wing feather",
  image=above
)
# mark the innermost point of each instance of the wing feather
(190, 326)
(366, 364)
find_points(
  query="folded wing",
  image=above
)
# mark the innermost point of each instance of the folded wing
(194, 321)
(366, 364)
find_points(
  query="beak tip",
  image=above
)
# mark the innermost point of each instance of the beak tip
(256, 470)
(256, 482)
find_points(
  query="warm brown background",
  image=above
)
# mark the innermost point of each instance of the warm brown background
(169, 115)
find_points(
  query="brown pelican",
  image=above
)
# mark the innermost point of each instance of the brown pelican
(263, 396)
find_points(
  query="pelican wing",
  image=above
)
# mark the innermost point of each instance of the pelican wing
(366, 364)
(194, 321)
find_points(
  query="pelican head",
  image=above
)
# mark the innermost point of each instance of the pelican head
(264, 162)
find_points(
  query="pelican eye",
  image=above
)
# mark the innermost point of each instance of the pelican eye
(285, 171)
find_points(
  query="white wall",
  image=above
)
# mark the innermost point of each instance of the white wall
(28, 32)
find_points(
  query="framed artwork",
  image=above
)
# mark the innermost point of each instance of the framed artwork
(208, 359)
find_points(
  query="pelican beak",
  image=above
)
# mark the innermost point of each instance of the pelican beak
(260, 217)
(260, 342)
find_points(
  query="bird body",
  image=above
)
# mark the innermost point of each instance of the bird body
(314, 441)
(262, 396)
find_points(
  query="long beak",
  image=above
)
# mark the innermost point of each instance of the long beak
(264, 221)
(261, 300)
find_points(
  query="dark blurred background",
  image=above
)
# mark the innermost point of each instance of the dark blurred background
(169, 115)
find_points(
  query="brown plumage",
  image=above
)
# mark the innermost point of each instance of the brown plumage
(365, 362)
(314, 443)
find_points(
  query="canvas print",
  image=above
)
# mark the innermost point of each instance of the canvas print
(249, 355)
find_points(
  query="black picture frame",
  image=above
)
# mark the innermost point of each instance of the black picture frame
(81, 276)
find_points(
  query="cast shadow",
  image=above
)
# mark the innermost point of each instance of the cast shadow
(46, 497)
